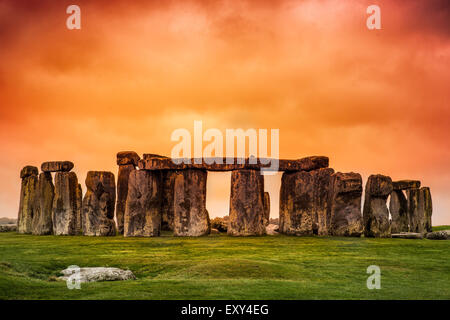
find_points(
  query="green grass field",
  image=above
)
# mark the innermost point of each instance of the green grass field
(222, 267)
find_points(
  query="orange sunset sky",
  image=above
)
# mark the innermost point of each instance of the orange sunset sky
(374, 101)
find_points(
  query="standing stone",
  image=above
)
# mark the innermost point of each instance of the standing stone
(398, 208)
(167, 205)
(127, 162)
(375, 212)
(65, 204)
(98, 204)
(246, 204)
(190, 215)
(419, 209)
(27, 205)
(142, 213)
(344, 208)
(45, 192)
(79, 195)
(122, 192)
(304, 202)
(322, 180)
(266, 208)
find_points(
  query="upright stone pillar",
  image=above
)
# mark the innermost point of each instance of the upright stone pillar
(65, 204)
(27, 205)
(419, 209)
(45, 193)
(190, 215)
(79, 195)
(266, 208)
(167, 205)
(127, 162)
(344, 207)
(398, 206)
(98, 204)
(246, 203)
(304, 201)
(143, 205)
(375, 212)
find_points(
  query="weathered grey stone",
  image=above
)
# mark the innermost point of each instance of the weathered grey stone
(98, 204)
(405, 184)
(375, 212)
(155, 162)
(272, 230)
(408, 235)
(64, 214)
(27, 205)
(220, 223)
(94, 274)
(266, 208)
(57, 166)
(419, 209)
(122, 193)
(304, 202)
(246, 203)
(344, 206)
(45, 192)
(142, 213)
(438, 235)
(127, 157)
(190, 215)
(79, 195)
(398, 208)
(28, 171)
(8, 227)
(167, 204)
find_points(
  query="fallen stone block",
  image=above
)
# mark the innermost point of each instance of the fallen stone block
(95, 274)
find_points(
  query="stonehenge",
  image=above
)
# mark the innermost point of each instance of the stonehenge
(99, 203)
(190, 217)
(27, 205)
(127, 162)
(64, 212)
(266, 208)
(304, 202)
(156, 193)
(375, 211)
(45, 192)
(247, 212)
(143, 203)
(419, 209)
(344, 208)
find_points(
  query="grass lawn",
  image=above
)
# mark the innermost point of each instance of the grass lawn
(222, 267)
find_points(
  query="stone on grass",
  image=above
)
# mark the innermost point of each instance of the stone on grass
(438, 235)
(27, 205)
(344, 205)
(246, 204)
(407, 235)
(98, 204)
(142, 212)
(375, 212)
(45, 193)
(65, 208)
(191, 218)
(94, 274)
